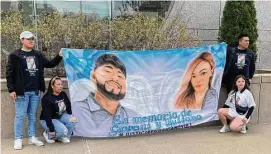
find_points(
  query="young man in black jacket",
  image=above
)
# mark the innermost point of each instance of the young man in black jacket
(25, 80)
(239, 61)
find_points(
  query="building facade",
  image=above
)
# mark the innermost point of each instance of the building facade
(202, 17)
(205, 17)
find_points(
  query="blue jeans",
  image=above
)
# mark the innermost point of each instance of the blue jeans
(26, 104)
(63, 126)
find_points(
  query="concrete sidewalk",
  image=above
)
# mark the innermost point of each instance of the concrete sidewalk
(193, 140)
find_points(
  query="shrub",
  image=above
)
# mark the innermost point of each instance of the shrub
(239, 17)
(54, 31)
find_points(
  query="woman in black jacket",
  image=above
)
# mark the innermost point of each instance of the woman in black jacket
(56, 115)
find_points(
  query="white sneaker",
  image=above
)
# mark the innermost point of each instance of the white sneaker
(64, 140)
(243, 130)
(45, 135)
(225, 129)
(34, 140)
(18, 144)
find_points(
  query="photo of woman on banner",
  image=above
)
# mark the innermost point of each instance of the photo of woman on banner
(196, 92)
(95, 101)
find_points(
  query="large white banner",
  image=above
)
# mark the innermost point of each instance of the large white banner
(122, 93)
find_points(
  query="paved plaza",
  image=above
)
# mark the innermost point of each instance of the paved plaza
(205, 140)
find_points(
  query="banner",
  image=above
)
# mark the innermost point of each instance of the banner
(122, 93)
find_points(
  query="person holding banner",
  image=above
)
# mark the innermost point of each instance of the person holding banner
(56, 115)
(196, 91)
(25, 82)
(238, 107)
(96, 102)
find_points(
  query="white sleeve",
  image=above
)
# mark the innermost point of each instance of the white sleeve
(228, 99)
(250, 100)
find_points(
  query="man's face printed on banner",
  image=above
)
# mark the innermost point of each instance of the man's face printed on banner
(111, 81)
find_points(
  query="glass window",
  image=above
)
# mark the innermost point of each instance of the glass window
(99, 8)
(152, 8)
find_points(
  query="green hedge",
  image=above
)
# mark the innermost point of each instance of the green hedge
(239, 17)
(137, 32)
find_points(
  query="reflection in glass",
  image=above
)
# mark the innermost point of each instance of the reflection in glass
(88, 8)
(129, 8)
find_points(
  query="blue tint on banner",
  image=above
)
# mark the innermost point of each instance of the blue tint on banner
(122, 93)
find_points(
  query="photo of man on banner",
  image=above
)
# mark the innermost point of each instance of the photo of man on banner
(95, 102)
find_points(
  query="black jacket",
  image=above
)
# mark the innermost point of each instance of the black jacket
(50, 109)
(230, 70)
(15, 74)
